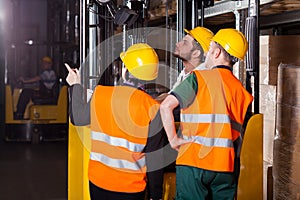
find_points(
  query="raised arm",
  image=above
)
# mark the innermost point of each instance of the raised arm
(79, 109)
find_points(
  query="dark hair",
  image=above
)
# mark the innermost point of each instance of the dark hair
(231, 59)
(197, 46)
(132, 80)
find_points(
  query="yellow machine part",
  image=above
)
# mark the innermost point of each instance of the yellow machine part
(250, 184)
(11, 99)
(52, 113)
(169, 186)
(46, 114)
(78, 158)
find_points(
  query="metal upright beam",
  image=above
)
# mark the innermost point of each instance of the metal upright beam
(92, 46)
(195, 18)
(82, 33)
(181, 22)
(252, 57)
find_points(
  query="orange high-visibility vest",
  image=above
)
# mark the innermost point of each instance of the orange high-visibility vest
(120, 117)
(214, 121)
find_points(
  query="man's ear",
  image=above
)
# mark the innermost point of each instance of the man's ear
(124, 73)
(196, 53)
(217, 52)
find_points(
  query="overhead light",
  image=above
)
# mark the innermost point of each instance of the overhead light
(122, 15)
(125, 16)
(103, 1)
(29, 42)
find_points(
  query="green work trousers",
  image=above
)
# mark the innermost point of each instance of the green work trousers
(199, 184)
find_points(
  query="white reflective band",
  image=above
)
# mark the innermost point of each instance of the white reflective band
(115, 141)
(211, 118)
(205, 118)
(118, 163)
(211, 142)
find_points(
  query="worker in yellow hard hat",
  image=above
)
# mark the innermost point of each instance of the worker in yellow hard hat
(125, 130)
(213, 107)
(140, 62)
(46, 93)
(234, 47)
(192, 50)
(46, 59)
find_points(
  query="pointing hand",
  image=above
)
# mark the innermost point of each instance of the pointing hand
(73, 76)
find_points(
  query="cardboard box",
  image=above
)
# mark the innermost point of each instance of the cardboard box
(275, 50)
(286, 162)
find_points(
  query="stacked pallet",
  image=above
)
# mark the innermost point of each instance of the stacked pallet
(273, 51)
(287, 141)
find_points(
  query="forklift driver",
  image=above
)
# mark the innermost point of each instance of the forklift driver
(47, 80)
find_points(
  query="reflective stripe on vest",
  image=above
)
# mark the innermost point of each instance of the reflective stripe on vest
(210, 142)
(118, 163)
(205, 118)
(211, 118)
(120, 142)
(115, 141)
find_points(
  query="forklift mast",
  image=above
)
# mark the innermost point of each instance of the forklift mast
(252, 56)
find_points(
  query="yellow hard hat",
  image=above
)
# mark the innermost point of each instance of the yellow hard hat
(47, 59)
(141, 61)
(233, 41)
(201, 35)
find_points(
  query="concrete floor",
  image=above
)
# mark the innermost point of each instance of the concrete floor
(33, 171)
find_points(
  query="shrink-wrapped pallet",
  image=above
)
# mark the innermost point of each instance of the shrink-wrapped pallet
(267, 106)
(286, 160)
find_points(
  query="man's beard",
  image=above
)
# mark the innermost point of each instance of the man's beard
(179, 56)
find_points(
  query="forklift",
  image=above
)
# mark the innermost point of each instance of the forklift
(43, 120)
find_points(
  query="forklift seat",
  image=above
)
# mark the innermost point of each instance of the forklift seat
(45, 96)
(51, 113)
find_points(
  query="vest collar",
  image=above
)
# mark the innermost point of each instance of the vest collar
(222, 67)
